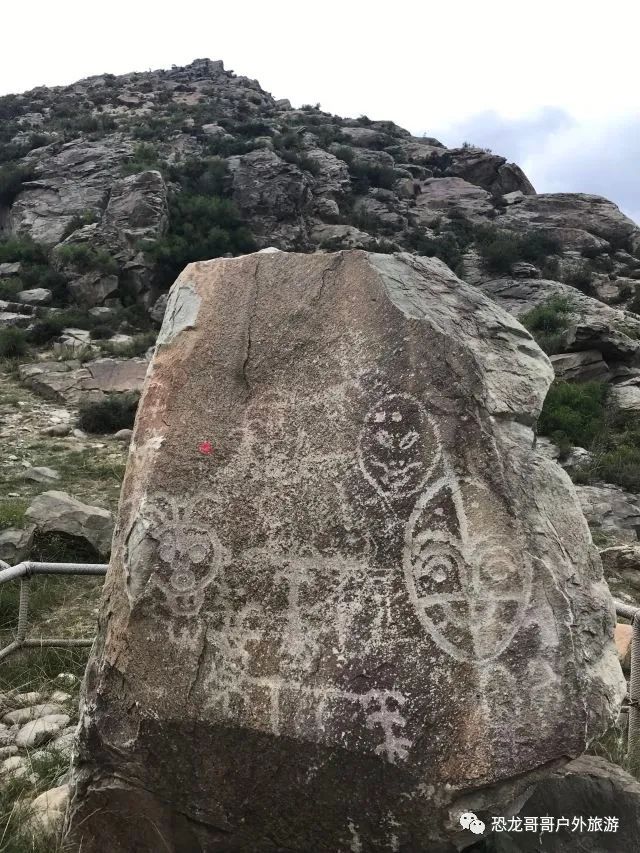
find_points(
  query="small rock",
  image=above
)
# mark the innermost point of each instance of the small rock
(6, 735)
(40, 731)
(16, 544)
(34, 712)
(123, 435)
(67, 678)
(8, 751)
(15, 767)
(59, 512)
(78, 433)
(48, 810)
(58, 430)
(60, 696)
(35, 296)
(41, 474)
(64, 743)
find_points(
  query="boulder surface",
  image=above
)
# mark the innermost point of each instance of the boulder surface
(348, 599)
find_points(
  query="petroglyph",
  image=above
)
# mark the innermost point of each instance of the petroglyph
(469, 590)
(187, 554)
(381, 711)
(399, 446)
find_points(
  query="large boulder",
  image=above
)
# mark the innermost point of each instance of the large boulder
(591, 805)
(70, 181)
(347, 596)
(273, 194)
(570, 215)
(58, 512)
(69, 381)
(138, 208)
(612, 511)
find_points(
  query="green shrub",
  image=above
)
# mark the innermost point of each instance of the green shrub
(367, 175)
(79, 221)
(144, 157)
(116, 411)
(547, 323)
(51, 327)
(10, 288)
(200, 227)
(500, 249)
(199, 176)
(83, 258)
(574, 414)
(13, 342)
(101, 332)
(453, 236)
(22, 249)
(581, 278)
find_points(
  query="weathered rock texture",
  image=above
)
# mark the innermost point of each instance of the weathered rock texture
(346, 594)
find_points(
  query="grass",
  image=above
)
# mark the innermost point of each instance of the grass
(13, 342)
(12, 512)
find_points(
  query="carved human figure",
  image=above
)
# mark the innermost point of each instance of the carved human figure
(399, 446)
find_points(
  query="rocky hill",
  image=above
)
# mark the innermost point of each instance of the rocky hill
(110, 186)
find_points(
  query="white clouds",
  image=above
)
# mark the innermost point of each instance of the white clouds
(561, 154)
(426, 65)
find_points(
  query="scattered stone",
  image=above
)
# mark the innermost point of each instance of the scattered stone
(15, 767)
(123, 435)
(40, 731)
(159, 307)
(16, 544)
(36, 296)
(8, 751)
(59, 512)
(587, 366)
(41, 474)
(57, 430)
(611, 510)
(48, 810)
(59, 696)
(32, 712)
(621, 566)
(523, 269)
(67, 678)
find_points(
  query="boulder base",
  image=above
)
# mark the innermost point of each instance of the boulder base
(348, 599)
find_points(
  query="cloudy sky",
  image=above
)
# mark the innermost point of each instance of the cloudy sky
(551, 84)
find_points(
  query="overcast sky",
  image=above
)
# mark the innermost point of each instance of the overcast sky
(551, 84)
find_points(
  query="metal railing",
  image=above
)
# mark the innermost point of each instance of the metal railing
(24, 572)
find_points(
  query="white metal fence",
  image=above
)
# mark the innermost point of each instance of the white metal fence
(24, 572)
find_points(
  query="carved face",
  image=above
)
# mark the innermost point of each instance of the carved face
(399, 446)
(189, 555)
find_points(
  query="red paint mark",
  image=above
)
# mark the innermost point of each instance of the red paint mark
(205, 447)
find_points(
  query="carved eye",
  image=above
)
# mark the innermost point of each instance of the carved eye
(198, 551)
(408, 440)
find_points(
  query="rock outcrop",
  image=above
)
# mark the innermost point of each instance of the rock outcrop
(348, 599)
